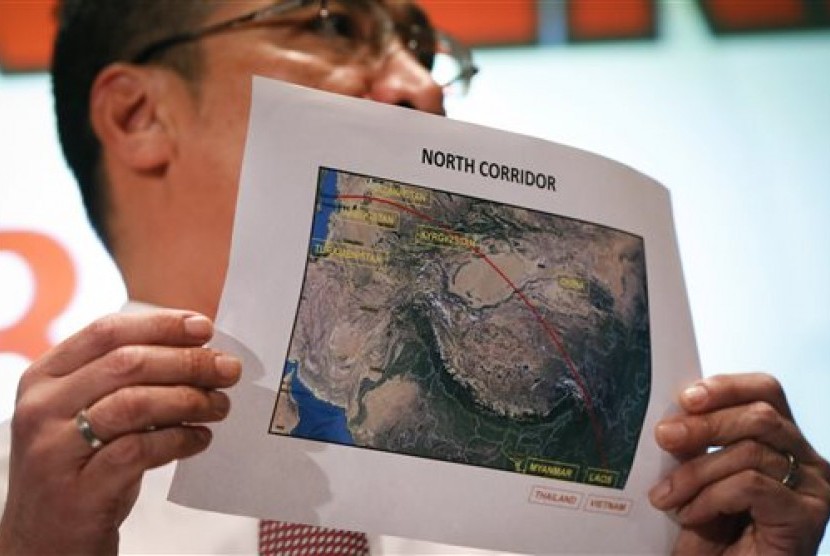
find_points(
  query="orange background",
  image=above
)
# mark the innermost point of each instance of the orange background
(54, 278)
(26, 31)
(27, 26)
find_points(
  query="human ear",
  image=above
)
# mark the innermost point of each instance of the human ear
(127, 116)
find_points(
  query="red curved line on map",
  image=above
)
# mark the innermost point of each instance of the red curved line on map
(552, 333)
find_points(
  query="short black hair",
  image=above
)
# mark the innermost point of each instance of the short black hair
(91, 35)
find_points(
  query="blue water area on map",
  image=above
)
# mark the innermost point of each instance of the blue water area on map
(319, 420)
(326, 205)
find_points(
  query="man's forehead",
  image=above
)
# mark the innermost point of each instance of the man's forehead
(226, 9)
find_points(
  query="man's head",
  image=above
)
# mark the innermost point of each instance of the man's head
(92, 35)
(152, 99)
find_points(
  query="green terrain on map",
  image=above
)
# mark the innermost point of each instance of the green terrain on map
(458, 329)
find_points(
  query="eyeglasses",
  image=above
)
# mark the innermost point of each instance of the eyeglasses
(342, 29)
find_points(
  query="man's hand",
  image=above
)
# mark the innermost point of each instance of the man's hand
(146, 384)
(734, 500)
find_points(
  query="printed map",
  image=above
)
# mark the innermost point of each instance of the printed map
(457, 329)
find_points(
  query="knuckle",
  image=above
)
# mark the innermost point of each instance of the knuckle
(194, 363)
(28, 417)
(127, 450)
(771, 384)
(753, 453)
(27, 380)
(165, 324)
(763, 417)
(755, 482)
(720, 383)
(191, 401)
(126, 410)
(819, 509)
(126, 361)
(704, 428)
(103, 333)
(718, 380)
(190, 362)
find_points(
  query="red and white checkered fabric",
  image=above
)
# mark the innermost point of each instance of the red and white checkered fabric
(291, 539)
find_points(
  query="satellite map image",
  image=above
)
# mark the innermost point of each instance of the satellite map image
(462, 330)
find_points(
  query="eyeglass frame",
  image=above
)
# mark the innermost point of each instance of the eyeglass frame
(455, 49)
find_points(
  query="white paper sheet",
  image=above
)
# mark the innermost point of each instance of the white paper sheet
(435, 349)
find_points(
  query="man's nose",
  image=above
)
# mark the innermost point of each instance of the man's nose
(401, 80)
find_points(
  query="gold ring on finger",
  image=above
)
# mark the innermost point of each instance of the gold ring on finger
(790, 479)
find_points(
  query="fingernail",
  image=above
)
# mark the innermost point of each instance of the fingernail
(671, 434)
(695, 396)
(198, 326)
(228, 367)
(203, 435)
(661, 491)
(221, 404)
